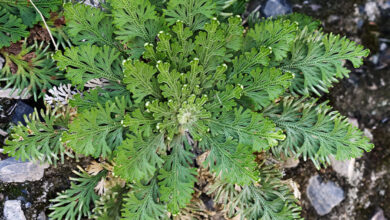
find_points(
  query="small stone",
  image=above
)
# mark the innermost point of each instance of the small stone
(21, 198)
(372, 10)
(290, 162)
(382, 46)
(344, 168)
(323, 196)
(92, 3)
(21, 109)
(12, 170)
(6, 93)
(273, 8)
(27, 205)
(354, 122)
(333, 18)
(2, 61)
(42, 216)
(379, 215)
(367, 133)
(374, 59)
(13, 210)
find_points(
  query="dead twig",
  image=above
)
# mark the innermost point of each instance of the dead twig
(47, 27)
(254, 11)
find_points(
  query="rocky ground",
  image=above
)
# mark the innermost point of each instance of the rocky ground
(355, 189)
(364, 98)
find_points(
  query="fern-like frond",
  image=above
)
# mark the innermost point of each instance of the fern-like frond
(109, 206)
(89, 25)
(316, 132)
(28, 14)
(99, 131)
(11, 28)
(140, 80)
(176, 177)
(262, 86)
(90, 99)
(88, 62)
(277, 34)
(267, 199)
(316, 59)
(77, 201)
(40, 139)
(138, 159)
(194, 13)
(303, 21)
(142, 202)
(249, 61)
(249, 128)
(137, 23)
(233, 162)
(31, 70)
(215, 44)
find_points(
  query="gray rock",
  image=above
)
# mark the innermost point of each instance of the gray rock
(372, 10)
(379, 215)
(42, 216)
(276, 7)
(22, 109)
(2, 61)
(354, 122)
(93, 3)
(344, 168)
(367, 133)
(13, 210)
(12, 170)
(323, 196)
(6, 93)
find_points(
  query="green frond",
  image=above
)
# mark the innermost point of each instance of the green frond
(303, 21)
(169, 81)
(176, 177)
(109, 206)
(99, 131)
(77, 201)
(262, 86)
(138, 159)
(194, 13)
(249, 61)
(40, 139)
(276, 34)
(11, 28)
(137, 23)
(224, 100)
(233, 162)
(267, 199)
(142, 202)
(249, 128)
(316, 132)
(88, 62)
(227, 8)
(28, 14)
(215, 44)
(140, 123)
(90, 99)
(139, 79)
(30, 71)
(89, 25)
(316, 59)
